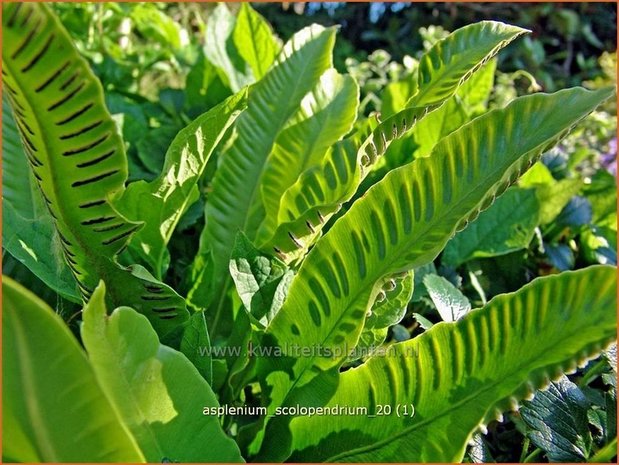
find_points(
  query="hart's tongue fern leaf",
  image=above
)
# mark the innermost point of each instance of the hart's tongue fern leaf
(77, 158)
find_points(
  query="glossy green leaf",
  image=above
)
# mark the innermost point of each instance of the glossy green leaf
(438, 124)
(420, 290)
(449, 301)
(196, 345)
(602, 193)
(155, 24)
(558, 419)
(235, 201)
(162, 202)
(370, 342)
(321, 190)
(424, 323)
(508, 225)
(327, 113)
(408, 217)
(538, 174)
(476, 91)
(261, 282)
(53, 409)
(453, 59)
(388, 309)
(65, 128)
(204, 87)
(457, 109)
(396, 95)
(459, 376)
(157, 391)
(553, 195)
(255, 41)
(219, 49)
(76, 136)
(22, 208)
(390, 304)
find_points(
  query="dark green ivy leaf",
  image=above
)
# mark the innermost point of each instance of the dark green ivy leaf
(559, 423)
(262, 282)
(479, 451)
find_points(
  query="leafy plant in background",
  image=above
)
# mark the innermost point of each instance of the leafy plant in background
(321, 227)
(560, 52)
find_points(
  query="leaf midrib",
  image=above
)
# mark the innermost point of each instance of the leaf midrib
(421, 234)
(54, 179)
(488, 386)
(43, 443)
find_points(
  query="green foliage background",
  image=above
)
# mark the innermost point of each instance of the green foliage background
(159, 73)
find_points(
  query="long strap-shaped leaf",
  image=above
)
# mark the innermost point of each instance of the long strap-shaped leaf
(157, 390)
(321, 190)
(403, 222)
(235, 203)
(70, 140)
(326, 115)
(77, 158)
(452, 60)
(459, 376)
(28, 232)
(53, 408)
(161, 203)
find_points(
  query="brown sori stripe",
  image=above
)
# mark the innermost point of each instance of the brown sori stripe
(84, 289)
(27, 40)
(120, 236)
(164, 310)
(94, 179)
(81, 131)
(68, 82)
(98, 220)
(153, 297)
(27, 142)
(53, 77)
(77, 114)
(67, 97)
(95, 203)
(25, 125)
(105, 156)
(87, 147)
(64, 239)
(11, 21)
(34, 160)
(27, 17)
(111, 227)
(39, 55)
(153, 289)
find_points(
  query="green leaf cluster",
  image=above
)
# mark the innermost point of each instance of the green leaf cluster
(278, 254)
